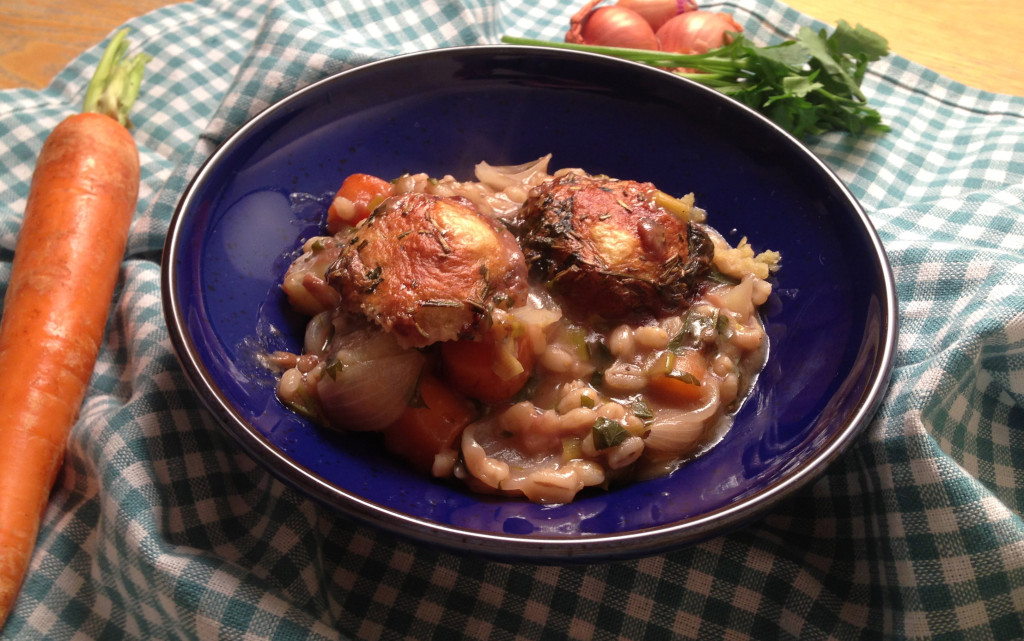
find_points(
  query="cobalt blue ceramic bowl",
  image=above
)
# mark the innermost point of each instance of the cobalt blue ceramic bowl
(831, 321)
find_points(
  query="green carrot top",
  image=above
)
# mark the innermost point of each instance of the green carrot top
(115, 85)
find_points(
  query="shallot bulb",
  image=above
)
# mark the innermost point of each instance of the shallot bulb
(612, 26)
(697, 32)
(658, 12)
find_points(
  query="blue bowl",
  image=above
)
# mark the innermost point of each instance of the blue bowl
(831, 321)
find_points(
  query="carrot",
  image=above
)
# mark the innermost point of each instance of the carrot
(682, 378)
(358, 196)
(474, 368)
(66, 265)
(431, 427)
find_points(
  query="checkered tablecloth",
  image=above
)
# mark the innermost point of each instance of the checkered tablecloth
(160, 529)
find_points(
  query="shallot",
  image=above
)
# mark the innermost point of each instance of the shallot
(697, 32)
(612, 26)
(658, 12)
(367, 380)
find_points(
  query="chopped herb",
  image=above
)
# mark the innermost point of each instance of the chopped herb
(571, 448)
(641, 410)
(334, 368)
(528, 390)
(445, 247)
(587, 401)
(724, 327)
(576, 336)
(696, 326)
(599, 353)
(608, 433)
(375, 277)
(485, 275)
(438, 302)
(680, 340)
(306, 406)
(439, 234)
(685, 377)
(303, 410)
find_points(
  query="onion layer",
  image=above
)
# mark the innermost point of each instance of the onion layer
(676, 432)
(370, 384)
(500, 178)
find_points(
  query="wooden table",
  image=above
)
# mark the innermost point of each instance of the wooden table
(973, 41)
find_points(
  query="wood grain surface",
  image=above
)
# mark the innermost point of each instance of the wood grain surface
(977, 42)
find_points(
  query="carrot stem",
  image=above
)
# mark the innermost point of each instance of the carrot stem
(116, 82)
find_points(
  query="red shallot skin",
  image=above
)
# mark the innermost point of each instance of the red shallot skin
(429, 268)
(658, 12)
(611, 26)
(697, 32)
(608, 251)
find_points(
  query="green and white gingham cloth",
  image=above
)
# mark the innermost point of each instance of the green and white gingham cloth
(161, 529)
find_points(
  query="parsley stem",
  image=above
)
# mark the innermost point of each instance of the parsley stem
(809, 85)
(653, 58)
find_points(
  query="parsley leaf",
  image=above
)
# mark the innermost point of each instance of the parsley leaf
(608, 433)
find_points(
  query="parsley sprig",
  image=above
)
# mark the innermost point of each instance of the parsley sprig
(809, 85)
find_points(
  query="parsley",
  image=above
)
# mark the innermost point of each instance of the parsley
(334, 369)
(685, 377)
(608, 433)
(641, 410)
(809, 85)
(696, 325)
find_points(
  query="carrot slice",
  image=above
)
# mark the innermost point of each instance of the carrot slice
(431, 427)
(358, 196)
(683, 382)
(475, 369)
(66, 264)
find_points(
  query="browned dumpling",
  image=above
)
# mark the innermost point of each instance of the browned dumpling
(609, 251)
(429, 268)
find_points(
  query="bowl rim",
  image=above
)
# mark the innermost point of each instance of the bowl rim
(541, 548)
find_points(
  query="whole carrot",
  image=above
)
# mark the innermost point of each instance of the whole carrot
(66, 265)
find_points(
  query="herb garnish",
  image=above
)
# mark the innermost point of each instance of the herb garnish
(608, 433)
(696, 325)
(334, 368)
(641, 410)
(375, 277)
(809, 85)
